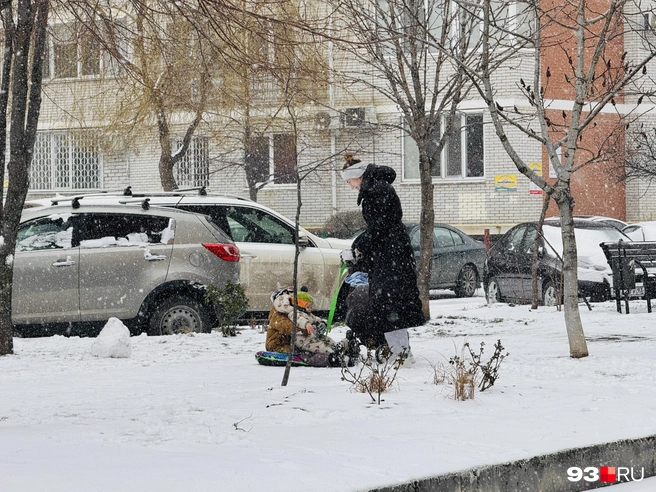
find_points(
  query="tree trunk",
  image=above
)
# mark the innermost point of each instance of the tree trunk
(32, 21)
(577, 345)
(297, 252)
(536, 256)
(426, 225)
(166, 172)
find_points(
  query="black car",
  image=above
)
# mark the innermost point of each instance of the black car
(457, 259)
(508, 271)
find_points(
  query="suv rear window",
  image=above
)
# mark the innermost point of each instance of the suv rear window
(98, 230)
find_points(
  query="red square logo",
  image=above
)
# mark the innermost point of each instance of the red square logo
(607, 474)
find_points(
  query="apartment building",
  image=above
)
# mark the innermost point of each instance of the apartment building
(476, 184)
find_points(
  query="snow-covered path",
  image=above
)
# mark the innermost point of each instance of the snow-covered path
(198, 413)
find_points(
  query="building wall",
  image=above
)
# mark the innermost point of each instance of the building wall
(473, 205)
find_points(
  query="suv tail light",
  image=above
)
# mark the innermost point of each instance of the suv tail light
(227, 252)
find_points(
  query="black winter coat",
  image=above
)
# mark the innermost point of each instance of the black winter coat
(387, 255)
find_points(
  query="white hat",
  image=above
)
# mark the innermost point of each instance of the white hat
(355, 171)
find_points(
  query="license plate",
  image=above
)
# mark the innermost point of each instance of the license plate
(639, 291)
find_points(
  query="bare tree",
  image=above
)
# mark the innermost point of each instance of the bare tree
(640, 155)
(406, 51)
(166, 69)
(573, 52)
(24, 29)
(272, 50)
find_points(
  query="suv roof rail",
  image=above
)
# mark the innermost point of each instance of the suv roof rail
(62, 198)
(145, 203)
(128, 192)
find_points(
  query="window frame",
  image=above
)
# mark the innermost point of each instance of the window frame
(80, 39)
(464, 151)
(270, 161)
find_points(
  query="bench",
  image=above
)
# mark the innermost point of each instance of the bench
(630, 262)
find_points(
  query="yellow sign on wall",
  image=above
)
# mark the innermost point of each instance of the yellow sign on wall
(533, 188)
(505, 182)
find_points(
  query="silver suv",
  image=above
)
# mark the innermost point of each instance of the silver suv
(265, 240)
(146, 265)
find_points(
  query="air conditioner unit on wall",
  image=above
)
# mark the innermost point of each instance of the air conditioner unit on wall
(326, 120)
(357, 117)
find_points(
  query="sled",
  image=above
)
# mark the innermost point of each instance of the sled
(277, 359)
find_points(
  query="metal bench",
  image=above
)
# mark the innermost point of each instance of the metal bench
(632, 262)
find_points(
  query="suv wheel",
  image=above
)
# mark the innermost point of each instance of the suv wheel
(467, 282)
(549, 294)
(493, 291)
(180, 314)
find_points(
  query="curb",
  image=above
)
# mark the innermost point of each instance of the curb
(544, 473)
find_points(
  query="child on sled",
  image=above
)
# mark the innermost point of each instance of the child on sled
(312, 345)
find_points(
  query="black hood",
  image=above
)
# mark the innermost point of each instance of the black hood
(372, 175)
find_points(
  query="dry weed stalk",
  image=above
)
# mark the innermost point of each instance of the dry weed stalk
(462, 378)
(439, 372)
(467, 371)
(372, 377)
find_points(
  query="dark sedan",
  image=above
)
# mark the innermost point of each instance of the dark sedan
(457, 259)
(508, 266)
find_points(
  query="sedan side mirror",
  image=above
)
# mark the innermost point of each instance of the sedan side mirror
(303, 241)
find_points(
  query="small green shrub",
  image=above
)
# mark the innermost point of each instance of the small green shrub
(230, 303)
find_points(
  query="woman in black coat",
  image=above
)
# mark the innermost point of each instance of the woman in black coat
(383, 251)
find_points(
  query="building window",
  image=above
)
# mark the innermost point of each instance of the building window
(463, 155)
(74, 53)
(194, 168)
(273, 157)
(517, 17)
(66, 161)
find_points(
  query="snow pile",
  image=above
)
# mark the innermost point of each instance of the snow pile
(113, 340)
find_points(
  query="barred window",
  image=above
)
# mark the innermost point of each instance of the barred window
(194, 168)
(66, 160)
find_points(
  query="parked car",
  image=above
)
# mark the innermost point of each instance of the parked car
(616, 223)
(457, 259)
(265, 239)
(641, 231)
(146, 266)
(508, 273)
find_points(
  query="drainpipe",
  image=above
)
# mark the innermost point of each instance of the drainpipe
(331, 102)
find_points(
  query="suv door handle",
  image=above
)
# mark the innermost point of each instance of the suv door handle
(155, 257)
(248, 255)
(63, 263)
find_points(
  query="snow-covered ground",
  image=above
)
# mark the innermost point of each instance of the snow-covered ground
(198, 413)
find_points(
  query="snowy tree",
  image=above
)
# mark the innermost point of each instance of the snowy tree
(406, 51)
(164, 70)
(24, 24)
(277, 58)
(569, 52)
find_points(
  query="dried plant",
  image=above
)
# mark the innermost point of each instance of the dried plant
(462, 377)
(466, 371)
(373, 378)
(439, 372)
(489, 370)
